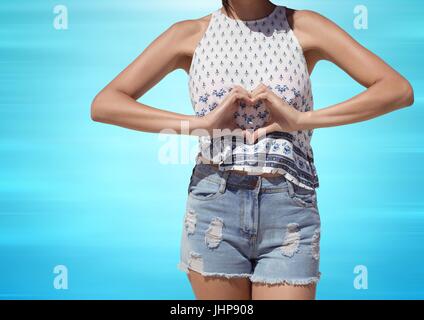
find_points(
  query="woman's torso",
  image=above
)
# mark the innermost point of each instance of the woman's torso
(235, 52)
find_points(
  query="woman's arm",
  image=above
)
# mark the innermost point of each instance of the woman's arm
(386, 90)
(116, 103)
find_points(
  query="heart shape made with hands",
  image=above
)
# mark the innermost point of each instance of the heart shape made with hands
(252, 116)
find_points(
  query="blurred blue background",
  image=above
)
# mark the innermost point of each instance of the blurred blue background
(95, 198)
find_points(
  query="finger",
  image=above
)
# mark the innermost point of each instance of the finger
(263, 131)
(248, 135)
(240, 95)
(240, 89)
(262, 95)
(260, 132)
(232, 91)
(232, 102)
(259, 89)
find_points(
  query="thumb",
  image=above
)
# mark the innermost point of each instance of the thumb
(248, 135)
(260, 132)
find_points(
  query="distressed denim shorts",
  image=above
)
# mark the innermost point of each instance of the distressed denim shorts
(264, 228)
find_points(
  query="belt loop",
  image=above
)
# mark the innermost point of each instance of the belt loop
(224, 178)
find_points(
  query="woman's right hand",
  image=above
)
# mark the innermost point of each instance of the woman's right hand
(220, 121)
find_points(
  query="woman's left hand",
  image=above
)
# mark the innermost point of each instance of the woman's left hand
(283, 117)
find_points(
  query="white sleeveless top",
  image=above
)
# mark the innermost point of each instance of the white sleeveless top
(238, 52)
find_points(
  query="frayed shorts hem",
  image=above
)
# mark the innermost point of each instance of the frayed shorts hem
(253, 278)
(290, 282)
(183, 267)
